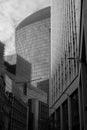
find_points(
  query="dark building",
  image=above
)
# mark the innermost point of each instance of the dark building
(4, 100)
(43, 118)
(18, 114)
(10, 68)
(1, 56)
(44, 86)
(18, 109)
(5, 109)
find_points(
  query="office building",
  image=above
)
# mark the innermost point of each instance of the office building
(4, 102)
(32, 37)
(18, 84)
(18, 113)
(27, 92)
(64, 92)
(44, 85)
(83, 66)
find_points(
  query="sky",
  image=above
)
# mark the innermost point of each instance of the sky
(12, 12)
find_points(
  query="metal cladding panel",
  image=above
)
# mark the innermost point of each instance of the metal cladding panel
(23, 69)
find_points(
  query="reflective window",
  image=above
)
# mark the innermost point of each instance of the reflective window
(65, 115)
(75, 111)
(58, 123)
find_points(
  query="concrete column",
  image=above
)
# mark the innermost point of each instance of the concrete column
(55, 119)
(69, 114)
(80, 106)
(61, 117)
(35, 111)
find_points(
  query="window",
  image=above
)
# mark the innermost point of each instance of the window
(75, 111)
(58, 121)
(25, 89)
(65, 115)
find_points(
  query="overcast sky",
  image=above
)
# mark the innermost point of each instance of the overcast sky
(13, 12)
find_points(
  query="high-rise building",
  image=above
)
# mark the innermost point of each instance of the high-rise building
(64, 82)
(83, 66)
(33, 43)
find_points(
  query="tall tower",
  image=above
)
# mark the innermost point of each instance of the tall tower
(64, 83)
(33, 43)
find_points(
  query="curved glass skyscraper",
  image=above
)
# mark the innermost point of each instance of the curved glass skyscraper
(33, 43)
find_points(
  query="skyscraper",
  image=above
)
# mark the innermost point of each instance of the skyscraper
(64, 82)
(33, 43)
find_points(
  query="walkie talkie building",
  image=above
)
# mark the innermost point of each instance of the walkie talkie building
(33, 43)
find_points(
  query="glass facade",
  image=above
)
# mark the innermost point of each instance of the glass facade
(67, 112)
(32, 44)
(64, 59)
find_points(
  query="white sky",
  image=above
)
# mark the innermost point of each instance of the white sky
(13, 12)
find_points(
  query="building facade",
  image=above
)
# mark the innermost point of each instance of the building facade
(33, 42)
(18, 118)
(4, 101)
(83, 65)
(64, 93)
(18, 85)
(44, 86)
(43, 116)
(1, 54)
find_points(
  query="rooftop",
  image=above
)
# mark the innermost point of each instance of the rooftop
(37, 16)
